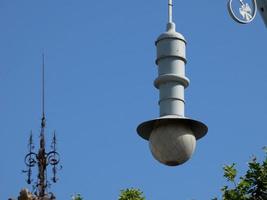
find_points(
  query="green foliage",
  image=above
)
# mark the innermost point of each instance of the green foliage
(251, 186)
(230, 172)
(77, 197)
(131, 194)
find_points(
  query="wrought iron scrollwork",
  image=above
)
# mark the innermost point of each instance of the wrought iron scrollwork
(53, 158)
(30, 159)
(43, 159)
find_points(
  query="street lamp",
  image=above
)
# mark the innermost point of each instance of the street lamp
(172, 137)
(246, 13)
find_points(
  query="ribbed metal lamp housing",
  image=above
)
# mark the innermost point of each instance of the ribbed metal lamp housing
(172, 137)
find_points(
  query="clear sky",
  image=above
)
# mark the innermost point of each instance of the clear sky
(100, 70)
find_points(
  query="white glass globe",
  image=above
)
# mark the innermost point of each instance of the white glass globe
(172, 144)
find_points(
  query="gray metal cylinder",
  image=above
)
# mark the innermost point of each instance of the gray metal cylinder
(172, 137)
(171, 80)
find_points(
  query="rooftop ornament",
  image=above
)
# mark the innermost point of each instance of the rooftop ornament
(42, 159)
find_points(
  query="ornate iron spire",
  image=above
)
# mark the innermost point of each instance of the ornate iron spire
(42, 159)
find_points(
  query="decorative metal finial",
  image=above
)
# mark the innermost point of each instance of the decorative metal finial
(246, 13)
(42, 159)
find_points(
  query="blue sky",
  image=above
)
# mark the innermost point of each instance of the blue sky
(100, 70)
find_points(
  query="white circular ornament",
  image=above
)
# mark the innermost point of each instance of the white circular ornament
(246, 13)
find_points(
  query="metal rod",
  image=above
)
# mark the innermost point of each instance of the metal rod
(170, 5)
(43, 93)
(43, 87)
(42, 163)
